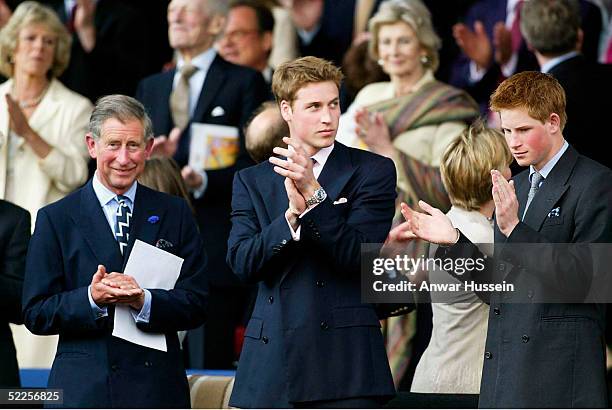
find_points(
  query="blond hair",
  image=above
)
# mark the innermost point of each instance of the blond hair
(417, 16)
(27, 13)
(467, 163)
(293, 75)
(538, 93)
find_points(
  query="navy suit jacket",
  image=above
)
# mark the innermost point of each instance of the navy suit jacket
(239, 91)
(310, 337)
(547, 354)
(14, 237)
(95, 369)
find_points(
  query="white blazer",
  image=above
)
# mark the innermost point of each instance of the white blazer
(61, 119)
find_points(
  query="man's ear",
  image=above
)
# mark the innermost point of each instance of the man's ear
(91, 145)
(216, 25)
(554, 123)
(286, 110)
(579, 40)
(267, 42)
(149, 147)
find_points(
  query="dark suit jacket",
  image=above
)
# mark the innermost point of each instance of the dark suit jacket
(239, 91)
(310, 337)
(95, 369)
(118, 60)
(14, 237)
(548, 355)
(489, 12)
(588, 88)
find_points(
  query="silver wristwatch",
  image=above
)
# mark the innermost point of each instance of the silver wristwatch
(318, 197)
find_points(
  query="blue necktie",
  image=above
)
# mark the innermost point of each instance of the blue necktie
(122, 222)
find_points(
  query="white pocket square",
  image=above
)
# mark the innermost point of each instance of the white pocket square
(217, 111)
(340, 201)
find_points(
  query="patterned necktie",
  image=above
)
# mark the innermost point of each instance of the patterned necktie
(536, 178)
(179, 99)
(122, 222)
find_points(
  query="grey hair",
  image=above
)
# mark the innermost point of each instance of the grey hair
(551, 27)
(217, 7)
(122, 108)
(417, 16)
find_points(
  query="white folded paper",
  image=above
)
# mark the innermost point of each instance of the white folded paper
(152, 268)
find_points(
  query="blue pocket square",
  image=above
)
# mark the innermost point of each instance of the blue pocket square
(555, 212)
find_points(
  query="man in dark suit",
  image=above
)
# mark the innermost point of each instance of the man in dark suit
(538, 354)
(298, 222)
(220, 93)
(552, 30)
(74, 276)
(493, 48)
(14, 238)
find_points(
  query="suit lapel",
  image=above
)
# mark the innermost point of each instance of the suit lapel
(337, 171)
(91, 220)
(552, 189)
(273, 193)
(214, 79)
(165, 115)
(144, 208)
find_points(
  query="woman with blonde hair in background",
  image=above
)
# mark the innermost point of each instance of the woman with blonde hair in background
(411, 119)
(43, 155)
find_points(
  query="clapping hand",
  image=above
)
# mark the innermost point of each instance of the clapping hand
(432, 225)
(474, 44)
(297, 167)
(372, 129)
(506, 203)
(107, 289)
(166, 146)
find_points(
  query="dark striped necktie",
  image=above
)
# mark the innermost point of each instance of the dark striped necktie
(122, 222)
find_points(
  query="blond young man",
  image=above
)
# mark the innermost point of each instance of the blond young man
(298, 222)
(538, 354)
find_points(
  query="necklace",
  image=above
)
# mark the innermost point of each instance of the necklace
(33, 102)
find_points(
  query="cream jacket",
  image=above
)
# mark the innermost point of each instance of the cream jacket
(61, 120)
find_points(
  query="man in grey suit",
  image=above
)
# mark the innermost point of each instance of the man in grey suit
(537, 354)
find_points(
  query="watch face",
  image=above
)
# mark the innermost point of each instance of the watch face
(321, 195)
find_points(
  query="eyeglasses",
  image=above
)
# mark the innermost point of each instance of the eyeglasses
(238, 35)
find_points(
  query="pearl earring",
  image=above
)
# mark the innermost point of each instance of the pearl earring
(380, 62)
(424, 59)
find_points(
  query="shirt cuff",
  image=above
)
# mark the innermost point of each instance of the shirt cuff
(295, 235)
(199, 192)
(99, 312)
(145, 311)
(476, 73)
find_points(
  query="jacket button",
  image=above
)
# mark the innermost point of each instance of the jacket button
(271, 299)
(496, 311)
(324, 325)
(525, 338)
(147, 364)
(265, 340)
(488, 355)
(320, 283)
(284, 242)
(114, 367)
(530, 294)
(502, 267)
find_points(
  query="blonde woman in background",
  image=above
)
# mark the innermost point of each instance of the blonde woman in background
(43, 155)
(411, 119)
(453, 360)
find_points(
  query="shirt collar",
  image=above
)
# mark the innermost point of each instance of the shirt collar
(105, 195)
(267, 74)
(322, 155)
(201, 61)
(550, 164)
(546, 67)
